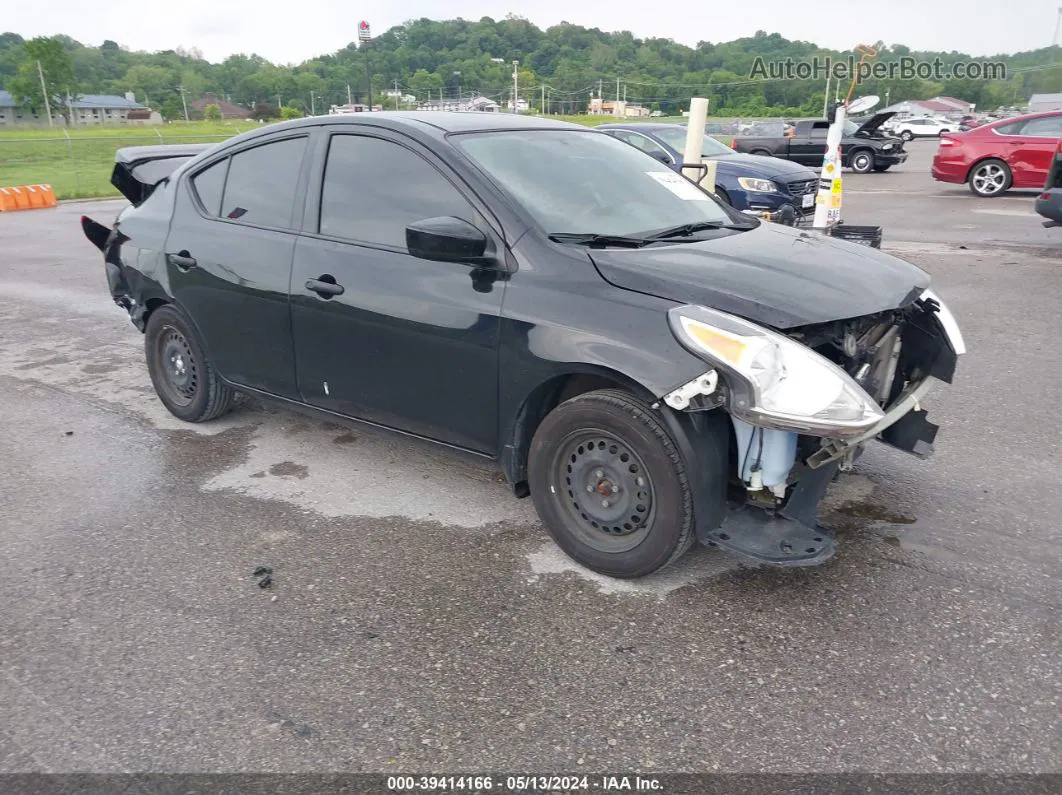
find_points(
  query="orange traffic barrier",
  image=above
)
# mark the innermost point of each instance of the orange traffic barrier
(27, 197)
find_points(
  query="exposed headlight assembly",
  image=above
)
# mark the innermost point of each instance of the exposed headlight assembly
(887, 147)
(757, 185)
(774, 381)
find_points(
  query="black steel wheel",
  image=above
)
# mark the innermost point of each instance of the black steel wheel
(184, 378)
(862, 161)
(610, 485)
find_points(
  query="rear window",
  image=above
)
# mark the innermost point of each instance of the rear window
(260, 188)
(1014, 128)
(209, 185)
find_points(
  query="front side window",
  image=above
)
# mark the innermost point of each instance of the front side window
(373, 189)
(639, 141)
(260, 188)
(570, 181)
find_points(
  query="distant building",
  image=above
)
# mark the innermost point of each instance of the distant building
(927, 107)
(86, 109)
(959, 105)
(402, 96)
(621, 108)
(475, 104)
(1038, 103)
(228, 110)
(352, 107)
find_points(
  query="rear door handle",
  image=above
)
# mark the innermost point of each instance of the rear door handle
(325, 286)
(182, 261)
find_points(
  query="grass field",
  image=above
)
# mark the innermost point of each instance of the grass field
(79, 165)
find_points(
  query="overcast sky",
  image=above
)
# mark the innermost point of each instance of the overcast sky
(286, 32)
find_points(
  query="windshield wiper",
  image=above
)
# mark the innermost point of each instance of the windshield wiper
(589, 239)
(685, 230)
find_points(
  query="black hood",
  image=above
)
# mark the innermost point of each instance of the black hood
(873, 124)
(773, 275)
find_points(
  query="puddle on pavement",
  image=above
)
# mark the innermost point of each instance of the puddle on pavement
(873, 512)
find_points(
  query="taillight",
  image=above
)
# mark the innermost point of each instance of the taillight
(948, 142)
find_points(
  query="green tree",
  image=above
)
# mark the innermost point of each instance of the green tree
(212, 112)
(290, 113)
(43, 56)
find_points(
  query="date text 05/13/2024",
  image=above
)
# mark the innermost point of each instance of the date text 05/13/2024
(488, 783)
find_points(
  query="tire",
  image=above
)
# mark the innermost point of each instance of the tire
(606, 447)
(906, 135)
(861, 161)
(182, 374)
(989, 178)
(882, 169)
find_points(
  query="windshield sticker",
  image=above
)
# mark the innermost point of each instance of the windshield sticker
(679, 185)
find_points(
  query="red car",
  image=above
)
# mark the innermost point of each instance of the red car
(1004, 154)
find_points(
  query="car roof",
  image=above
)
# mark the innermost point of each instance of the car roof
(640, 125)
(443, 121)
(1024, 117)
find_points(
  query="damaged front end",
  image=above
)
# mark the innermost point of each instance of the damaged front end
(802, 405)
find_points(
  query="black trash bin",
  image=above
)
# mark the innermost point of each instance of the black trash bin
(866, 235)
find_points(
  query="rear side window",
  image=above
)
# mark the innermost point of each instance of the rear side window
(209, 185)
(1014, 128)
(1044, 127)
(373, 189)
(260, 188)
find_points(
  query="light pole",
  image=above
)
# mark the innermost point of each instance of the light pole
(457, 76)
(516, 87)
(364, 37)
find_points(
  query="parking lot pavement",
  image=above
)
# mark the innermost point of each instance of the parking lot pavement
(419, 617)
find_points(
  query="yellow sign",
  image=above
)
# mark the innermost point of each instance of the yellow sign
(837, 185)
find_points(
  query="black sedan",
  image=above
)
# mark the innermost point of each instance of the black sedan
(652, 367)
(746, 182)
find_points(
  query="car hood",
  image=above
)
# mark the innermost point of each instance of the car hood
(873, 124)
(774, 168)
(774, 275)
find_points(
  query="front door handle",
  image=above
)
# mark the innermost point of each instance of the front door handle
(182, 261)
(325, 286)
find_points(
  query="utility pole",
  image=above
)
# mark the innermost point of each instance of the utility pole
(826, 98)
(69, 109)
(516, 87)
(396, 95)
(542, 103)
(184, 102)
(279, 103)
(313, 105)
(44, 93)
(349, 100)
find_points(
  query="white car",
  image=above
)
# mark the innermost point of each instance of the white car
(923, 128)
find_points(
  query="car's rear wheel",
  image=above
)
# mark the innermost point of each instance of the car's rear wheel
(182, 374)
(907, 135)
(862, 161)
(990, 178)
(610, 485)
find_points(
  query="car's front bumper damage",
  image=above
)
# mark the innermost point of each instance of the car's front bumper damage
(771, 513)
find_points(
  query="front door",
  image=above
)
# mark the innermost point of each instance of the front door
(403, 342)
(228, 260)
(809, 148)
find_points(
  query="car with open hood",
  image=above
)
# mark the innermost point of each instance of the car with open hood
(653, 368)
(864, 147)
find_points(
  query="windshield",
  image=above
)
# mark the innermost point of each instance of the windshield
(675, 137)
(571, 181)
(850, 127)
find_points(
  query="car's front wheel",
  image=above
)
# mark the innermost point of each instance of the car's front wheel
(990, 178)
(610, 485)
(862, 162)
(184, 378)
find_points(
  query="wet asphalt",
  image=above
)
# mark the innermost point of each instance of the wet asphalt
(419, 619)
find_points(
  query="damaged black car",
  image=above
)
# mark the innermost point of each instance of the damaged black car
(651, 367)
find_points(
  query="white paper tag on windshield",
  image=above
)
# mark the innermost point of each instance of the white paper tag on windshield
(679, 185)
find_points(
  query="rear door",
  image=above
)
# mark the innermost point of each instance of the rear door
(1032, 151)
(808, 144)
(408, 343)
(229, 254)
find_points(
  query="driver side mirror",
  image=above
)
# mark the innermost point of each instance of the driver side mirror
(447, 239)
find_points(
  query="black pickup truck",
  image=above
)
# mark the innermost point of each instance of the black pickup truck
(864, 148)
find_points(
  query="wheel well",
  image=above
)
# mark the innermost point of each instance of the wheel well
(760, 152)
(150, 306)
(542, 400)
